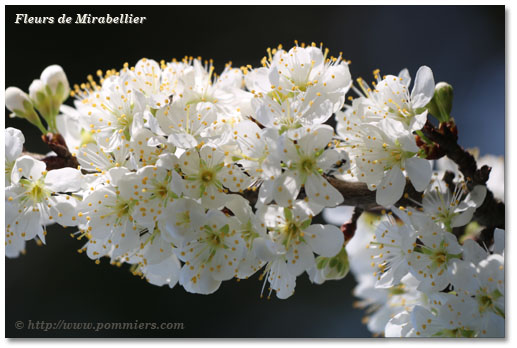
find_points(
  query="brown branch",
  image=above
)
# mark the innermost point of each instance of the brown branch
(63, 158)
(447, 141)
(356, 194)
(348, 228)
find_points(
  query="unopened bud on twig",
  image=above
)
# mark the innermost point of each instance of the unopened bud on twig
(19, 103)
(441, 104)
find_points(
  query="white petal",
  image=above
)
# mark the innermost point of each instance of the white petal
(420, 316)
(423, 89)
(299, 259)
(338, 215)
(320, 191)
(419, 171)
(27, 167)
(473, 252)
(14, 141)
(204, 284)
(398, 326)
(325, 240)
(64, 180)
(405, 77)
(265, 249)
(328, 158)
(498, 241)
(67, 212)
(182, 140)
(391, 187)
(281, 280)
(212, 198)
(165, 272)
(477, 196)
(418, 121)
(30, 224)
(211, 155)
(189, 162)
(463, 218)
(316, 140)
(287, 187)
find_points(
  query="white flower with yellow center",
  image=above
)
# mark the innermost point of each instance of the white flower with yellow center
(289, 113)
(393, 245)
(481, 275)
(97, 163)
(379, 154)
(207, 176)
(452, 209)
(110, 111)
(146, 77)
(251, 227)
(196, 83)
(188, 126)
(94, 158)
(291, 243)
(431, 259)
(258, 150)
(305, 162)
(212, 255)
(307, 73)
(40, 197)
(152, 188)
(111, 228)
(390, 98)
(454, 316)
(181, 214)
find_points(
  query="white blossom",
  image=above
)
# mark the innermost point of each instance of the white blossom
(40, 197)
(305, 162)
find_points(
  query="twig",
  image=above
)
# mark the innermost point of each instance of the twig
(63, 158)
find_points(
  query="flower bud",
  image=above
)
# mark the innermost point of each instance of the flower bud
(38, 94)
(441, 104)
(17, 100)
(42, 101)
(36, 88)
(336, 267)
(55, 78)
(19, 103)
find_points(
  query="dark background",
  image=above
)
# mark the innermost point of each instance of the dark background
(464, 45)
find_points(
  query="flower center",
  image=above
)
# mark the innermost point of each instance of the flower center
(440, 257)
(122, 208)
(486, 301)
(207, 176)
(37, 192)
(215, 239)
(308, 164)
(291, 231)
(162, 191)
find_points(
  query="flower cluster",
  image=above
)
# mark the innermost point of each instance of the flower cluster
(195, 178)
(418, 280)
(378, 133)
